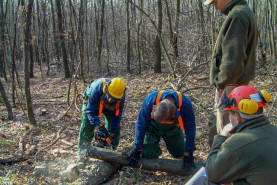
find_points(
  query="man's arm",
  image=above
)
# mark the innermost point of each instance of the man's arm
(223, 164)
(92, 110)
(188, 117)
(234, 46)
(143, 122)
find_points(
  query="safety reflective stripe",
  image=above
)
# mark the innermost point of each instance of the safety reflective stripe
(168, 122)
(104, 83)
(100, 108)
(101, 102)
(117, 108)
(180, 120)
(159, 97)
(179, 109)
(157, 101)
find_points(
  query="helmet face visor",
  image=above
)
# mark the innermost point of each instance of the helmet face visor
(231, 104)
(114, 98)
(246, 99)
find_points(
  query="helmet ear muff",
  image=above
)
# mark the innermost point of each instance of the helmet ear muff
(248, 106)
(265, 96)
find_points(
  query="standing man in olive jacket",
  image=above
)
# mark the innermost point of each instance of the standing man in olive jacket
(234, 55)
(245, 151)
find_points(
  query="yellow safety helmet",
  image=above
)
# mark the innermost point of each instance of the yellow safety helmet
(116, 88)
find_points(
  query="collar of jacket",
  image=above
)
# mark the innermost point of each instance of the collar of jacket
(251, 123)
(230, 6)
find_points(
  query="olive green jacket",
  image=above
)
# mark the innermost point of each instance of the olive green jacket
(248, 156)
(234, 55)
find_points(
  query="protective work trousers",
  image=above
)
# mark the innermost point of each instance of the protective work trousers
(87, 130)
(171, 134)
(219, 118)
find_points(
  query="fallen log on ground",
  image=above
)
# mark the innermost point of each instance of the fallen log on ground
(165, 165)
(12, 161)
(101, 173)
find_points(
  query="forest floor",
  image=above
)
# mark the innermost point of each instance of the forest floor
(49, 97)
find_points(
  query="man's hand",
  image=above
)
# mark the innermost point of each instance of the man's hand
(103, 130)
(226, 130)
(133, 157)
(188, 162)
(108, 137)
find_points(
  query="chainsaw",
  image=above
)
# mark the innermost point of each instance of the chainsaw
(102, 140)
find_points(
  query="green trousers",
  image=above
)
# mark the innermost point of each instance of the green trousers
(87, 130)
(171, 134)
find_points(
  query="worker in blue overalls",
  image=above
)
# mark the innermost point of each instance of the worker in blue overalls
(167, 115)
(105, 96)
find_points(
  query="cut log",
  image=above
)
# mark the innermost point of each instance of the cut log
(101, 173)
(165, 165)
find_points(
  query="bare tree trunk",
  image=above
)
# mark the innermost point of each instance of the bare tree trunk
(31, 53)
(273, 40)
(27, 41)
(96, 16)
(114, 31)
(87, 40)
(138, 38)
(202, 25)
(39, 38)
(108, 52)
(176, 30)
(160, 37)
(56, 44)
(3, 57)
(81, 38)
(6, 101)
(13, 48)
(128, 47)
(62, 39)
(170, 27)
(44, 47)
(158, 50)
(74, 41)
(100, 39)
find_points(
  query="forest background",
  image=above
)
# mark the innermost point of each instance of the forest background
(51, 49)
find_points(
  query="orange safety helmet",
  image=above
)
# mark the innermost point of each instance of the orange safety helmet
(247, 99)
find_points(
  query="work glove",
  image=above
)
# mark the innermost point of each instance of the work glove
(188, 162)
(103, 129)
(133, 157)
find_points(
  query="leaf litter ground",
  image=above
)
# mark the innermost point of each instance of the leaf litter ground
(50, 96)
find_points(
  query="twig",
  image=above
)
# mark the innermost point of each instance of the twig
(193, 88)
(21, 145)
(183, 76)
(57, 138)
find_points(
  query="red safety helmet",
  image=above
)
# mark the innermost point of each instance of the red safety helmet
(247, 99)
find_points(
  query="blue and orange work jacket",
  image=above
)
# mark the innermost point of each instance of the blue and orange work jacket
(95, 105)
(185, 115)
